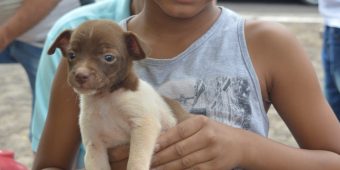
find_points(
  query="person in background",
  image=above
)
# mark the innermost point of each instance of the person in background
(23, 28)
(330, 10)
(225, 70)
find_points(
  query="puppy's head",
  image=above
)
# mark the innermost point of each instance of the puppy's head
(99, 54)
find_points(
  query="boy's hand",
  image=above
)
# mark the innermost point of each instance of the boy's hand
(199, 142)
(196, 142)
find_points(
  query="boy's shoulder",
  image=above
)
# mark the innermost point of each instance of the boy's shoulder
(263, 34)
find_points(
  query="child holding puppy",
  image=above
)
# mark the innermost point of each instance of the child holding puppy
(224, 67)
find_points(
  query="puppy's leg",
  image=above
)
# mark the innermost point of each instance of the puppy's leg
(96, 157)
(143, 140)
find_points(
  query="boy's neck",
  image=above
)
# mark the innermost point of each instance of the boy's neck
(136, 6)
(175, 34)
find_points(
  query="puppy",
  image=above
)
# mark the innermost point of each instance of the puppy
(116, 107)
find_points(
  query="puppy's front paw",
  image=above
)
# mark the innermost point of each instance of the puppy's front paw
(96, 158)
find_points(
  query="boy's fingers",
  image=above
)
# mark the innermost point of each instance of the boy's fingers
(196, 158)
(180, 150)
(181, 131)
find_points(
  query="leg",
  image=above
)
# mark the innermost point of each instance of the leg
(335, 54)
(96, 157)
(143, 141)
(331, 63)
(28, 56)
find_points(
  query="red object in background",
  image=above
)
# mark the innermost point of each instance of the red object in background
(7, 161)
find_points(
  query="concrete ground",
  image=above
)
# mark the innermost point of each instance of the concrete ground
(15, 99)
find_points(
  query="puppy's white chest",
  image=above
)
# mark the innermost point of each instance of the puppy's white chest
(121, 117)
(103, 120)
(111, 118)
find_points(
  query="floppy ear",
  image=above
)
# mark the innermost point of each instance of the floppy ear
(61, 42)
(136, 48)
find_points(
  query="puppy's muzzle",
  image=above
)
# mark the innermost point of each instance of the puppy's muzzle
(82, 78)
(82, 75)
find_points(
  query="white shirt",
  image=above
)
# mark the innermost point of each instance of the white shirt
(8, 8)
(37, 35)
(330, 10)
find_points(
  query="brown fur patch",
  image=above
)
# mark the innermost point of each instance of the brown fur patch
(177, 109)
(91, 43)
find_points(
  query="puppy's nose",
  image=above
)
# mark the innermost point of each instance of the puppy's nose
(81, 78)
(82, 75)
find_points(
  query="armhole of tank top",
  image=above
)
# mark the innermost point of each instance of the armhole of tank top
(249, 66)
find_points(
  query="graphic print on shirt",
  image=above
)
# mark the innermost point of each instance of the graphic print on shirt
(223, 99)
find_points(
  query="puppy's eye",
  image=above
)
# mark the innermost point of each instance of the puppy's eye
(71, 56)
(109, 58)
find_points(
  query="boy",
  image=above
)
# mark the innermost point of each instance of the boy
(228, 69)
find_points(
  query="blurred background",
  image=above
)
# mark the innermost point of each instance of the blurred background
(307, 2)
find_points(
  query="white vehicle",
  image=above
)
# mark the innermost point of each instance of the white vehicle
(308, 2)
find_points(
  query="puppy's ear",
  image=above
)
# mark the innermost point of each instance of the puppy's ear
(61, 42)
(136, 48)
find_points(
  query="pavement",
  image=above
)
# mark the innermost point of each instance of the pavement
(15, 98)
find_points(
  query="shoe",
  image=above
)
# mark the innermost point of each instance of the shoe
(7, 161)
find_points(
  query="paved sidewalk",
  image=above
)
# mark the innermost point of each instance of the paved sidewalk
(15, 112)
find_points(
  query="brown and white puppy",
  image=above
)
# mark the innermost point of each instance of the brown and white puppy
(116, 106)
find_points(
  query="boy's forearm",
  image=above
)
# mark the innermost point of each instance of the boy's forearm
(267, 154)
(30, 13)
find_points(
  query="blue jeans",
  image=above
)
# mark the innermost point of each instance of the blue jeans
(27, 55)
(331, 63)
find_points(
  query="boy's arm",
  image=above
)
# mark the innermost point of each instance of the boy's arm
(294, 91)
(30, 13)
(61, 136)
(201, 143)
(287, 78)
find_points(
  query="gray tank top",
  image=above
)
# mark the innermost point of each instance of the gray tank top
(214, 76)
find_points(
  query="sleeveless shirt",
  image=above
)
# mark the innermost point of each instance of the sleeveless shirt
(214, 76)
(37, 34)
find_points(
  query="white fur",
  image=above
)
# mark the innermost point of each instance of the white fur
(120, 117)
